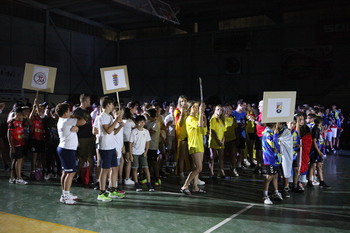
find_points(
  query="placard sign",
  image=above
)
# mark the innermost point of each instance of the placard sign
(39, 78)
(115, 79)
(278, 106)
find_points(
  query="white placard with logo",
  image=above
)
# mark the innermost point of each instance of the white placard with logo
(278, 106)
(39, 78)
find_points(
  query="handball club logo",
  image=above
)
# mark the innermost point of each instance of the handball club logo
(40, 78)
(279, 107)
(115, 79)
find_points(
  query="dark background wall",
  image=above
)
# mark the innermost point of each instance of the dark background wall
(311, 57)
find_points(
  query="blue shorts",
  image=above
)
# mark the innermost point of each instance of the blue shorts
(108, 158)
(68, 159)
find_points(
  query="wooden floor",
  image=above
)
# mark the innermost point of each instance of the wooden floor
(233, 205)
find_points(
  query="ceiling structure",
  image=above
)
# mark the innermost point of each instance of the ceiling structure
(123, 15)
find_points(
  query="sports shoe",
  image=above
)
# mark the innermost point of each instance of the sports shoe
(72, 196)
(315, 182)
(144, 181)
(277, 196)
(116, 194)
(67, 200)
(246, 163)
(12, 180)
(21, 181)
(104, 197)
(138, 187)
(200, 182)
(286, 192)
(234, 172)
(47, 176)
(267, 200)
(129, 182)
(309, 184)
(158, 182)
(324, 185)
(150, 187)
(120, 191)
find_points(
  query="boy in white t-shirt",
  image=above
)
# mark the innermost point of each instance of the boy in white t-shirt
(67, 128)
(107, 149)
(139, 144)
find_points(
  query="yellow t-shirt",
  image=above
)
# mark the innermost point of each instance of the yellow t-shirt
(195, 135)
(250, 124)
(230, 132)
(180, 130)
(219, 127)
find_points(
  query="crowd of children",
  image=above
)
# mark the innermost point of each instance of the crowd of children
(108, 146)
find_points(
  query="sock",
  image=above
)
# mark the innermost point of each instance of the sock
(322, 182)
(102, 192)
(65, 193)
(265, 193)
(239, 164)
(276, 191)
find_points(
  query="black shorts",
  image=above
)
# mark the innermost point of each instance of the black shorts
(241, 143)
(270, 170)
(258, 143)
(127, 147)
(37, 146)
(18, 153)
(315, 157)
(152, 155)
(108, 158)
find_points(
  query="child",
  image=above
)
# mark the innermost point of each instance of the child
(153, 126)
(118, 137)
(230, 138)
(317, 155)
(106, 145)
(272, 160)
(37, 138)
(129, 124)
(138, 147)
(217, 140)
(16, 141)
(67, 128)
(296, 156)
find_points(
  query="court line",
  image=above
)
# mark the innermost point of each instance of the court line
(228, 219)
(262, 205)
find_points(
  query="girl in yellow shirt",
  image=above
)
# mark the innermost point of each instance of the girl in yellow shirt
(196, 125)
(231, 138)
(217, 140)
(180, 115)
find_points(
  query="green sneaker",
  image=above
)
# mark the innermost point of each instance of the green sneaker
(104, 197)
(144, 181)
(116, 194)
(158, 182)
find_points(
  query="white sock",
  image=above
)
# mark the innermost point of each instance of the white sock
(265, 193)
(65, 193)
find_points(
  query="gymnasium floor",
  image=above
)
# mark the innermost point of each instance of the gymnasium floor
(229, 206)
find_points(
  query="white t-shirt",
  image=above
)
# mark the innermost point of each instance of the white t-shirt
(139, 139)
(105, 141)
(154, 126)
(119, 142)
(128, 125)
(171, 129)
(68, 139)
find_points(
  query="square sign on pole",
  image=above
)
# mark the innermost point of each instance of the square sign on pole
(39, 78)
(115, 79)
(278, 106)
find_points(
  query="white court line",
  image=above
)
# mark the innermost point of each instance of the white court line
(228, 219)
(262, 205)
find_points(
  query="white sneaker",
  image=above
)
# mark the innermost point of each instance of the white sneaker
(234, 172)
(315, 182)
(255, 162)
(246, 163)
(47, 177)
(12, 180)
(277, 196)
(129, 182)
(200, 182)
(21, 181)
(73, 196)
(67, 200)
(267, 201)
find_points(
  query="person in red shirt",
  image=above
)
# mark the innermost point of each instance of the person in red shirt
(259, 132)
(15, 135)
(37, 138)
